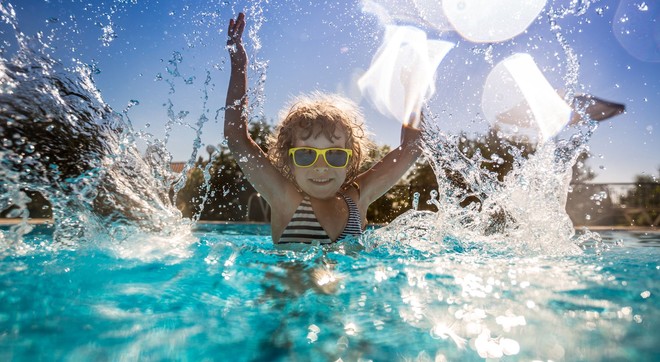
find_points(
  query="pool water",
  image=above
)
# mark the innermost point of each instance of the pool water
(122, 276)
(227, 294)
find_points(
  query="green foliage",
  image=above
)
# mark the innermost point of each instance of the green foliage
(496, 149)
(391, 204)
(646, 193)
(215, 189)
(227, 193)
(495, 157)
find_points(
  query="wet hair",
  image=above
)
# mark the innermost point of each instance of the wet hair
(315, 114)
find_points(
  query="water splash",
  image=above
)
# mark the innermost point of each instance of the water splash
(101, 185)
(523, 213)
(61, 139)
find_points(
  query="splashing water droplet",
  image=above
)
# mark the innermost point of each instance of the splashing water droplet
(415, 203)
(434, 200)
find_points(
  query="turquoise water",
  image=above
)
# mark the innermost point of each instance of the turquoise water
(122, 276)
(226, 294)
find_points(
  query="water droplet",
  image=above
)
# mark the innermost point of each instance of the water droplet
(131, 104)
(312, 337)
(108, 35)
(15, 213)
(415, 203)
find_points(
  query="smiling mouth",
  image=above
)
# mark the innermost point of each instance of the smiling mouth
(320, 180)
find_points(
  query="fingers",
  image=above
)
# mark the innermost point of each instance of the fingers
(236, 27)
(241, 24)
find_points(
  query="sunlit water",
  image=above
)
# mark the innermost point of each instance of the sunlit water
(233, 295)
(120, 276)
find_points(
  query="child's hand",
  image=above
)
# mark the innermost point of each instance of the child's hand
(235, 42)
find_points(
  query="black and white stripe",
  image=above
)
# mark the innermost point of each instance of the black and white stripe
(354, 224)
(305, 228)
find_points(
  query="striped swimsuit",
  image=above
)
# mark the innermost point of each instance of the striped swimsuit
(305, 228)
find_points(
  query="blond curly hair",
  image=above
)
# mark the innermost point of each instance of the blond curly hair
(310, 115)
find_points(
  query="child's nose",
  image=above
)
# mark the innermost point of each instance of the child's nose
(320, 164)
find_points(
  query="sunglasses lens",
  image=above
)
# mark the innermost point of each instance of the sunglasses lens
(304, 157)
(336, 158)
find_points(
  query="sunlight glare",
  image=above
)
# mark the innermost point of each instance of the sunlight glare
(517, 96)
(402, 73)
(487, 21)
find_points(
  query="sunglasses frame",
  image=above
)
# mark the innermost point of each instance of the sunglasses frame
(320, 152)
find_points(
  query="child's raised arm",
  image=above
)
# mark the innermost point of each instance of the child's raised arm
(386, 173)
(254, 163)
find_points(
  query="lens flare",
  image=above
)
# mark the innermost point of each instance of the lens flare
(517, 98)
(487, 21)
(636, 27)
(402, 73)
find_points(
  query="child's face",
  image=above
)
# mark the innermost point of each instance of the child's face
(320, 180)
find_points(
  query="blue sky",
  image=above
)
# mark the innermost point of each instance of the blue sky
(326, 46)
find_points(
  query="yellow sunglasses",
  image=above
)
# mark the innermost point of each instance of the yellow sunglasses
(307, 156)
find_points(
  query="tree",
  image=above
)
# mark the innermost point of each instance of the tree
(646, 192)
(219, 185)
(394, 202)
(470, 166)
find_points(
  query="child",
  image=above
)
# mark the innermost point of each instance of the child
(310, 176)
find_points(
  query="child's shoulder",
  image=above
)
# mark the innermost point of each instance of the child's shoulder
(352, 190)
